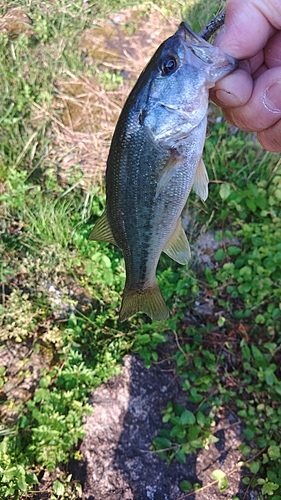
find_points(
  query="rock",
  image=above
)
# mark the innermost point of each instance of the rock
(117, 461)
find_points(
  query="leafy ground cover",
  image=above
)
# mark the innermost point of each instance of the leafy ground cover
(245, 286)
(60, 293)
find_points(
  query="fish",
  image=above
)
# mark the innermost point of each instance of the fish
(155, 158)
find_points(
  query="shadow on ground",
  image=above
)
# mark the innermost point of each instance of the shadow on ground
(117, 461)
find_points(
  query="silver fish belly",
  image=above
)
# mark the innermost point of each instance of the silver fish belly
(155, 159)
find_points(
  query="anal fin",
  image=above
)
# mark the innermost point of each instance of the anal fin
(178, 247)
(201, 181)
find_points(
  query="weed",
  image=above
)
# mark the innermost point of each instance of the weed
(60, 293)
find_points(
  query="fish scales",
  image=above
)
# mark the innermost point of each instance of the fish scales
(134, 233)
(155, 159)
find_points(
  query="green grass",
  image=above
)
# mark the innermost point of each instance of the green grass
(44, 226)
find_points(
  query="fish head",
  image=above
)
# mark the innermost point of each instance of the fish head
(216, 64)
(176, 84)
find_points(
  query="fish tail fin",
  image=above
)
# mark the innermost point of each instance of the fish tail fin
(147, 300)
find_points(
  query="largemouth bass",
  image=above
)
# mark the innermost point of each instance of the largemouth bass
(155, 159)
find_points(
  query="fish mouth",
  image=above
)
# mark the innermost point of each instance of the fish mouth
(207, 53)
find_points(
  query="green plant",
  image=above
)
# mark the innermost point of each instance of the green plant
(46, 256)
(189, 429)
(245, 285)
(110, 80)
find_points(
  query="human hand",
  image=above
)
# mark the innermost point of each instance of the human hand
(250, 97)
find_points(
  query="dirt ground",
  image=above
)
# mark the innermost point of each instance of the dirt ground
(117, 461)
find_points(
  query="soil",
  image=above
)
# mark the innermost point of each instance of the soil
(118, 463)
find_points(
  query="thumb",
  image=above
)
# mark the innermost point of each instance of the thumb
(247, 27)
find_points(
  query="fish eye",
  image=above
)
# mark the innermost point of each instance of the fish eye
(168, 66)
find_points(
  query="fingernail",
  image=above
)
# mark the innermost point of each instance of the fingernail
(225, 98)
(272, 97)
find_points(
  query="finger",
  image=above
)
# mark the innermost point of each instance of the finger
(233, 90)
(263, 108)
(251, 65)
(270, 138)
(272, 51)
(247, 28)
(262, 69)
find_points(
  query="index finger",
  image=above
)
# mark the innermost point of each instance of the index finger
(248, 26)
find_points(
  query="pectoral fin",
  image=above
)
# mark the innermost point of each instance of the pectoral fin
(168, 170)
(178, 247)
(201, 181)
(102, 231)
